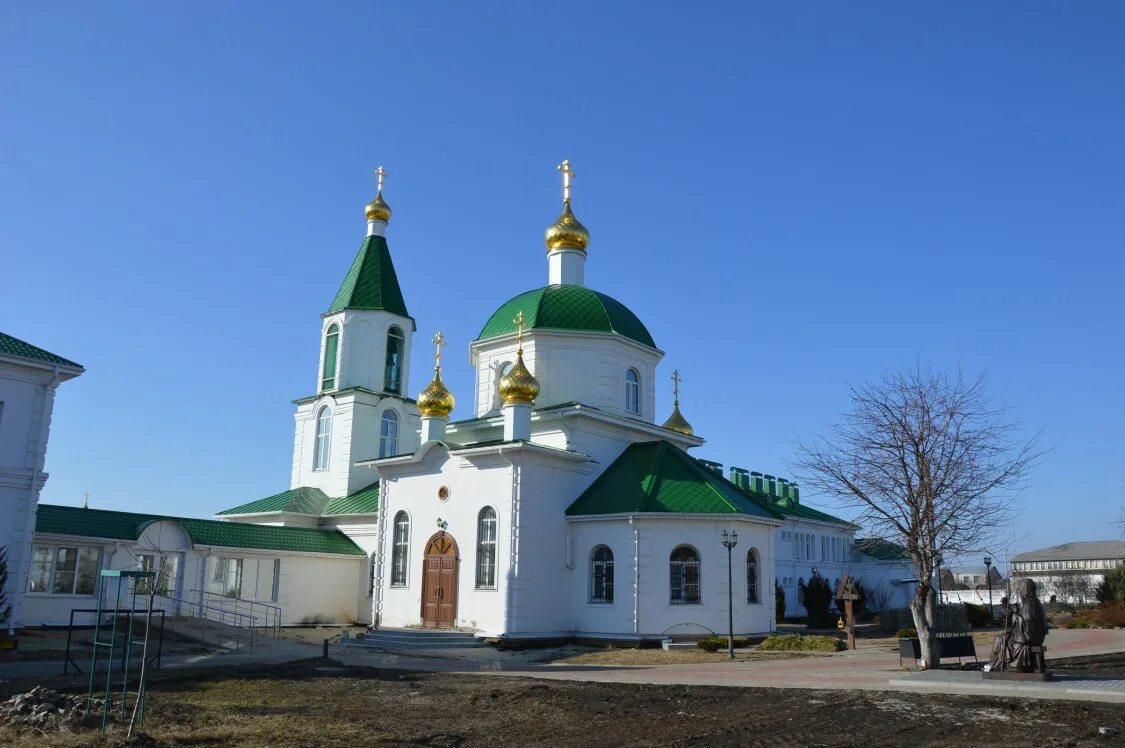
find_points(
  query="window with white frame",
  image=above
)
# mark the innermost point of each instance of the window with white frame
(752, 575)
(165, 577)
(801, 591)
(392, 377)
(64, 570)
(226, 577)
(601, 575)
(331, 348)
(399, 549)
(632, 391)
(486, 549)
(388, 434)
(323, 442)
(683, 567)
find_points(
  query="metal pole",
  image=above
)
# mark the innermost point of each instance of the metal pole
(730, 603)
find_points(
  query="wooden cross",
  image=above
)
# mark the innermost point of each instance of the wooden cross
(676, 379)
(564, 167)
(379, 174)
(520, 322)
(439, 341)
(847, 592)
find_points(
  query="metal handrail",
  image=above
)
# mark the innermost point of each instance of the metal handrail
(270, 614)
(240, 619)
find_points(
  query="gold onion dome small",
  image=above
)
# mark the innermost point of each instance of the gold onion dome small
(378, 210)
(677, 422)
(436, 399)
(567, 232)
(519, 385)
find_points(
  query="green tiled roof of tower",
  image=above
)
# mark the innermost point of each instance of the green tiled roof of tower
(658, 477)
(567, 307)
(102, 523)
(371, 282)
(11, 346)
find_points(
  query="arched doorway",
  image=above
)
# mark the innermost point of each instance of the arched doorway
(439, 582)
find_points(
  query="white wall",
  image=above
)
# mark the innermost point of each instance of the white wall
(657, 538)
(27, 395)
(571, 366)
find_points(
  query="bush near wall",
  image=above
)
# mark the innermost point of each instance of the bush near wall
(976, 614)
(798, 643)
(779, 602)
(1105, 616)
(1112, 587)
(715, 643)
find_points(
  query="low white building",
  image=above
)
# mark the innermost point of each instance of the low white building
(1069, 572)
(29, 377)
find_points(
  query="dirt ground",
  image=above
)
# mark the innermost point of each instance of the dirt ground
(680, 657)
(319, 704)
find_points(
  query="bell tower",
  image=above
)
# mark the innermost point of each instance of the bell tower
(361, 409)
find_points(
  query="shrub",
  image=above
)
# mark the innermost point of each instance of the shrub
(1112, 587)
(5, 608)
(906, 634)
(779, 601)
(818, 599)
(798, 643)
(1105, 616)
(715, 643)
(977, 615)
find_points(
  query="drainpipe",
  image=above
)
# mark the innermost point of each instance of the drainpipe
(380, 537)
(636, 576)
(513, 544)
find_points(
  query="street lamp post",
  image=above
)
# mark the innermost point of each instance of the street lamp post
(730, 540)
(988, 577)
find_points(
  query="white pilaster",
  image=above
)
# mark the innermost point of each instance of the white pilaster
(433, 428)
(566, 267)
(517, 421)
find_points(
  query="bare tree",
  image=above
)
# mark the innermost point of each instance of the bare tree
(879, 598)
(929, 464)
(1071, 588)
(163, 568)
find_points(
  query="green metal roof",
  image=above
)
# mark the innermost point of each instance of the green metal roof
(302, 500)
(10, 346)
(800, 511)
(371, 282)
(102, 523)
(881, 550)
(306, 500)
(660, 477)
(360, 502)
(567, 307)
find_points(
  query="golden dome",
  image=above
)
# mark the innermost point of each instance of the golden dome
(518, 385)
(436, 399)
(677, 422)
(567, 232)
(378, 210)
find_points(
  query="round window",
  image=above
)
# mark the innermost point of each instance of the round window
(443, 493)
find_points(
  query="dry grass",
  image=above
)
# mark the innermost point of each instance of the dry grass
(660, 657)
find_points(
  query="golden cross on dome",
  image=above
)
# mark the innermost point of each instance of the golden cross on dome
(520, 322)
(439, 341)
(676, 379)
(379, 174)
(564, 167)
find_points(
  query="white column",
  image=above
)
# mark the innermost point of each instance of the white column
(566, 266)
(517, 421)
(433, 428)
(376, 228)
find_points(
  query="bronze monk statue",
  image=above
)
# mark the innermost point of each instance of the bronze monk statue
(1020, 647)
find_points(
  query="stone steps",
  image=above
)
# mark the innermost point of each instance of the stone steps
(415, 639)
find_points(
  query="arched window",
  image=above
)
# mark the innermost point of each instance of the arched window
(388, 434)
(632, 391)
(392, 378)
(323, 442)
(601, 575)
(684, 567)
(486, 548)
(398, 550)
(752, 575)
(331, 346)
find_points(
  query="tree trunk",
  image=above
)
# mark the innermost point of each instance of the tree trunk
(925, 618)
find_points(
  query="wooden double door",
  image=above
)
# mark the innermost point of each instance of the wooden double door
(439, 582)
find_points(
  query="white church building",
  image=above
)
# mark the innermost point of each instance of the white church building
(560, 505)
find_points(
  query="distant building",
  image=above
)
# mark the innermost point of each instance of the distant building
(973, 577)
(29, 377)
(1069, 572)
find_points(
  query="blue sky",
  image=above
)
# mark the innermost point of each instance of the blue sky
(792, 199)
